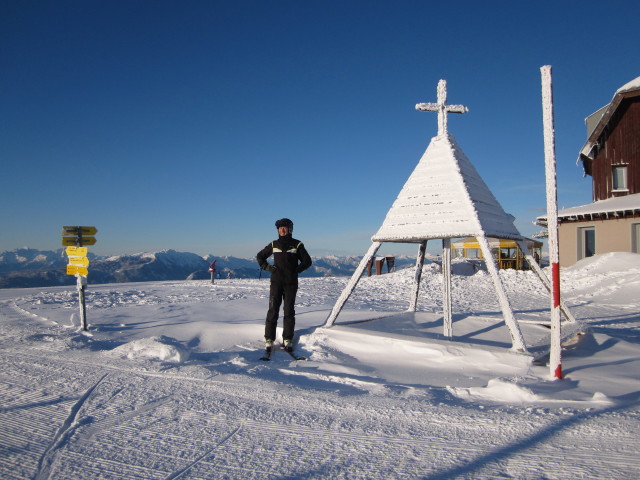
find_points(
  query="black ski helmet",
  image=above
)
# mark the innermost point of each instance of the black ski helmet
(285, 222)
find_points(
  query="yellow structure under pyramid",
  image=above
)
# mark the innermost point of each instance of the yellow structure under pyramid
(505, 252)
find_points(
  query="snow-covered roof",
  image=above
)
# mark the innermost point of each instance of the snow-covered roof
(629, 204)
(605, 115)
(445, 197)
(631, 86)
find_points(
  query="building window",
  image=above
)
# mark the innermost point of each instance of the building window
(586, 242)
(635, 237)
(619, 175)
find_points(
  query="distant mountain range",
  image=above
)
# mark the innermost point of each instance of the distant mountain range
(27, 267)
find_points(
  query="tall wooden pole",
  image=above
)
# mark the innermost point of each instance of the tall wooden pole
(555, 360)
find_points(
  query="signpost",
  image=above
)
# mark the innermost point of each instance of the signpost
(76, 240)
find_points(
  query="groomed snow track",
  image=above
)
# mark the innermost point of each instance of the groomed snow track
(210, 429)
(74, 413)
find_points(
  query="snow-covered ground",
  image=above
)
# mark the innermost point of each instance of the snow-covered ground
(168, 383)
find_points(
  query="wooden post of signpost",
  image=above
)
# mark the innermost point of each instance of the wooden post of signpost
(82, 285)
(555, 354)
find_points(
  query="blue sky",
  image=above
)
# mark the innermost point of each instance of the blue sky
(194, 125)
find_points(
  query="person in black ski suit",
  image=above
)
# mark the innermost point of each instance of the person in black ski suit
(289, 259)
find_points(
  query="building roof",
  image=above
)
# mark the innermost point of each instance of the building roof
(597, 121)
(445, 197)
(603, 209)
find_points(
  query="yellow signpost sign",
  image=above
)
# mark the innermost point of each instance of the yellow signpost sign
(73, 241)
(67, 231)
(79, 261)
(77, 251)
(77, 270)
(69, 241)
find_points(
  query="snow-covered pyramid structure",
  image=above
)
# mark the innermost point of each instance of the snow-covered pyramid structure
(446, 198)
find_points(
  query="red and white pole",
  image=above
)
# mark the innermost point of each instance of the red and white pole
(555, 355)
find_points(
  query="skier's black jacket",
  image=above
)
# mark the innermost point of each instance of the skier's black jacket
(289, 257)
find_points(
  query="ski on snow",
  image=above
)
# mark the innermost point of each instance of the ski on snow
(267, 355)
(294, 356)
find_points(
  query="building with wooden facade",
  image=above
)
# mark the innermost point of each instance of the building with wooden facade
(611, 156)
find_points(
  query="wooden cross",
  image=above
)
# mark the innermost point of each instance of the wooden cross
(442, 108)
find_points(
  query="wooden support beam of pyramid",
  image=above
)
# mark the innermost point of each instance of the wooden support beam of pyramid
(348, 290)
(422, 250)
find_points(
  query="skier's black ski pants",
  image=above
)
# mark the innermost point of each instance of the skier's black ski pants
(279, 293)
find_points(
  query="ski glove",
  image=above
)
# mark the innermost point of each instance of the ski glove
(270, 268)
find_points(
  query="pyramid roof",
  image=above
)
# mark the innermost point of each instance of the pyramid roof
(445, 197)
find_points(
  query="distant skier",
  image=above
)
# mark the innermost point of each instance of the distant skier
(212, 270)
(290, 258)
